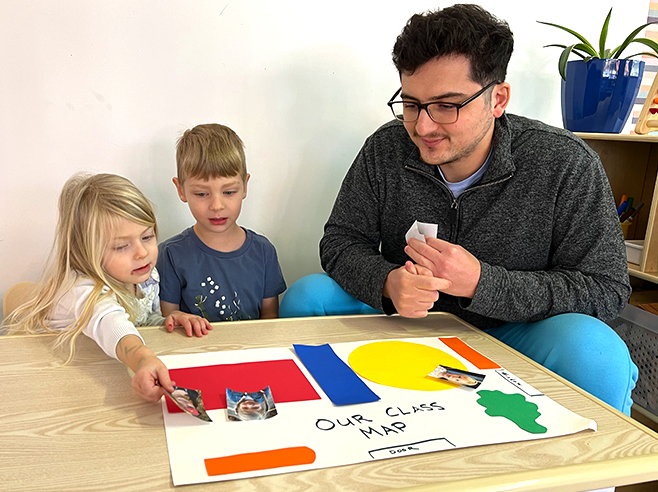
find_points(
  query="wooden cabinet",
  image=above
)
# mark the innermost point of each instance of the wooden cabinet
(631, 163)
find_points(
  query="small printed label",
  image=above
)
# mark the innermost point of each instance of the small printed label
(428, 446)
(518, 383)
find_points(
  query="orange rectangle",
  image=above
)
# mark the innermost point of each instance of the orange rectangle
(261, 460)
(469, 353)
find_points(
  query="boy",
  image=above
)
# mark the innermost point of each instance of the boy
(216, 268)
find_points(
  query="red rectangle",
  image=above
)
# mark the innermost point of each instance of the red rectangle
(284, 378)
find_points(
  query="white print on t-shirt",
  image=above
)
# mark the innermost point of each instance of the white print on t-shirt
(228, 309)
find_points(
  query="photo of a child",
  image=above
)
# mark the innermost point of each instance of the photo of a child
(244, 406)
(189, 401)
(457, 376)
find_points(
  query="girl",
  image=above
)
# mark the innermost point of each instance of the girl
(102, 279)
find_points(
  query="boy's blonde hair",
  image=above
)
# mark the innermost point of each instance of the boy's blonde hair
(210, 151)
(90, 207)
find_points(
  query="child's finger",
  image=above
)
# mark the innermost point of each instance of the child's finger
(164, 380)
(199, 328)
(204, 325)
(187, 326)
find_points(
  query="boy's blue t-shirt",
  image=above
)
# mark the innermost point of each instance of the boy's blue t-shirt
(225, 286)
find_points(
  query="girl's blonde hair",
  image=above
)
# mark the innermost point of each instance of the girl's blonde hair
(90, 208)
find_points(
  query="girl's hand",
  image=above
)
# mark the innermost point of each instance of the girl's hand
(150, 378)
(191, 323)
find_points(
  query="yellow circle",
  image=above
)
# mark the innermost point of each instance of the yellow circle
(404, 365)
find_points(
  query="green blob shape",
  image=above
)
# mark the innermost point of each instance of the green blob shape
(513, 407)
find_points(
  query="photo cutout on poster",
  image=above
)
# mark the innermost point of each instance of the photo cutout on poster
(190, 401)
(457, 376)
(245, 406)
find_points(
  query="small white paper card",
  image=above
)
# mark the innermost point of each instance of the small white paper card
(419, 230)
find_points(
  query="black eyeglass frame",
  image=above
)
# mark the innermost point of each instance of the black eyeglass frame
(424, 106)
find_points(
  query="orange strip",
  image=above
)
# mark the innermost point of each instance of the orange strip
(469, 353)
(262, 460)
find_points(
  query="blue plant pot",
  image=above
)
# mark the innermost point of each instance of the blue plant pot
(598, 95)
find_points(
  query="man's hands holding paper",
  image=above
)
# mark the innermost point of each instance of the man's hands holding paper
(413, 289)
(447, 261)
(440, 266)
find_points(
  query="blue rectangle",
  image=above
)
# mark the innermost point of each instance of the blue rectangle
(339, 382)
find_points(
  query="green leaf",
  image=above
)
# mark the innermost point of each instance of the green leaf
(644, 53)
(573, 46)
(587, 48)
(562, 62)
(650, 43)
(576, 50)
(586, 51)
(616, 53)
(604, 35)
(582, 39)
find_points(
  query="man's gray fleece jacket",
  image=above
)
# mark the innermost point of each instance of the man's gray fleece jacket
(541, 221)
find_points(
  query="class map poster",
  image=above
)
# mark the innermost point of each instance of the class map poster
(348, 403)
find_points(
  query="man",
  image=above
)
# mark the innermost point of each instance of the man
(528, 246)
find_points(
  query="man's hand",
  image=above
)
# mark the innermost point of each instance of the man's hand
(191, 323)
(413, 289)
(447, 261)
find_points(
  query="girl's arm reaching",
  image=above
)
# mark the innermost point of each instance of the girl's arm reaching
(151, 375)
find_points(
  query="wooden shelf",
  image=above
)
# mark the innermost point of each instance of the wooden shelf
(631, 163)
(634, 270)
(618, 137)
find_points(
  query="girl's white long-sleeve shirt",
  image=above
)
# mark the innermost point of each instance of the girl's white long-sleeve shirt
(109, 322)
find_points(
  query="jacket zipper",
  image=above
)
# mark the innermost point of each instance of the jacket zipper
(453, 215)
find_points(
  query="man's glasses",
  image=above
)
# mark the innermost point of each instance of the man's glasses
(440, 112)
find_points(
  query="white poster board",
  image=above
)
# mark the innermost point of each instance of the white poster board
(315, 433)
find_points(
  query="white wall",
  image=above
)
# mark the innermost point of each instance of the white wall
(109, 86)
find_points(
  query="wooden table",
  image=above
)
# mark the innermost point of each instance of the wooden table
(79, 427)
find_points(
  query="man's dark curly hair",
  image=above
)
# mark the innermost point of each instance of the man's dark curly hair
(462, 29)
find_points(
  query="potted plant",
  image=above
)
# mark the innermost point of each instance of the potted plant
(599, 90)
